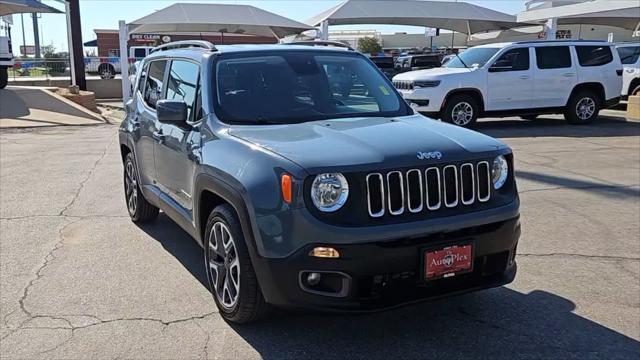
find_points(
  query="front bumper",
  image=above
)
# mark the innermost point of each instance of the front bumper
(386, 274)
(427, 100)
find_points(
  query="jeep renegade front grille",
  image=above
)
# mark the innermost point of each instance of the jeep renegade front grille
(418, 190)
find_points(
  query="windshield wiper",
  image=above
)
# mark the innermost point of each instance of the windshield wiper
(264, 121)
(462, 61)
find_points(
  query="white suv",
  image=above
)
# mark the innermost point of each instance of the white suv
(630, 57)
(577, 78)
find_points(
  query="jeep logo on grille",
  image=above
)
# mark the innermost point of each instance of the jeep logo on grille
(429, 155)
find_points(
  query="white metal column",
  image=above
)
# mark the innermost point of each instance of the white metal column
(124, 62)
(324, 30)
(550, 28)
(72, 63)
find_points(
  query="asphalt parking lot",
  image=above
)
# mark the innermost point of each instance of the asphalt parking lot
(79, 280)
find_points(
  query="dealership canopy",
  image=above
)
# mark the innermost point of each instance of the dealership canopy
(207, 18)
(619, 13)
(457, 16)
(8, 7)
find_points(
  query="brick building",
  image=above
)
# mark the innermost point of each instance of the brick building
(108, 43)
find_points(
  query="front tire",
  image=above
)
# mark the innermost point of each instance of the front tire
(461, 110)
(583, 108)
(4, 77)
(140, 210)
(636, 91)
(232, 279)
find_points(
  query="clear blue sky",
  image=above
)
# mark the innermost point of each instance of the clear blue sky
(104, 14)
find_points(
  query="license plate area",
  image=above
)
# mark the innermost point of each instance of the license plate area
(446, 262)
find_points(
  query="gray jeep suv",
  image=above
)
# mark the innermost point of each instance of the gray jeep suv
(310, 183)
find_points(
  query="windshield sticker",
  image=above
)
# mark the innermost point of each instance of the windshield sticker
(384, 90)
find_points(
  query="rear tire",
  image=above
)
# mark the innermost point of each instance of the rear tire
(582, 108)
(232, 279)
(636, 91)
(140, 210)
(107, 72)
(4, 77)
(461, 110)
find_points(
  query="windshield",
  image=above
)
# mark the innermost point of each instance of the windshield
(296, 86)
(473, 57)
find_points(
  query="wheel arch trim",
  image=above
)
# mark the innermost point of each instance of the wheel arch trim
(232, 196)
(593, 86)
(467, 90)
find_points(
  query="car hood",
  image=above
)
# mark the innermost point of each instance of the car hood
(432, 73)
(365, 143)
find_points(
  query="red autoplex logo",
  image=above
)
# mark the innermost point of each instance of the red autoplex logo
(449, 259)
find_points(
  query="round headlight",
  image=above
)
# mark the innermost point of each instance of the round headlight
(499, 172)
(329, 192)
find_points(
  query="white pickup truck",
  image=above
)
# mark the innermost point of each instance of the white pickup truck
(6, 60)
(107, 68)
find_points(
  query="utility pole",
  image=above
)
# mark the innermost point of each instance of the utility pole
(24, 38)
(75, 47)
(36, 35)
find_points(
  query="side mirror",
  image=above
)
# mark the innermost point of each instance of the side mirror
(171, 111)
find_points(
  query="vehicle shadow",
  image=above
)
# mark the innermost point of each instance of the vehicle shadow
(496, 323)
(603, 189)
(605, 126)
(179, 244)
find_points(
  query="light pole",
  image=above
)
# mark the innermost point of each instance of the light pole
(36, 34)
(24, 38)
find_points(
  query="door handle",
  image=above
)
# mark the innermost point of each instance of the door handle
(568, 74)
(524, 77)
(159, 136)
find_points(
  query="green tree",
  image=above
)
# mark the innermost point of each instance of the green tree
(369, 45)
(56, 62)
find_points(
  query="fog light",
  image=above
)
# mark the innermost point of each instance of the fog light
(313, 279)
(324, 252)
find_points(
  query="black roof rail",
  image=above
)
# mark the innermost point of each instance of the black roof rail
(320, 43)
(184, 45)
(558, 41)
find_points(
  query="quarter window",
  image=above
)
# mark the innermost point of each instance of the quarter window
(182, 83)
(153, 86)
(512, 60)
(553, 57)
(594, 55)
(629, 54)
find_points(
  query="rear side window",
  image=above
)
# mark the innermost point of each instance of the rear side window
(153, 86)
(553, 57)
(594, 55)
(629, 54)
(182, 83)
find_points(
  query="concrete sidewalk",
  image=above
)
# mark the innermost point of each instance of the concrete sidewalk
(24, 107)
